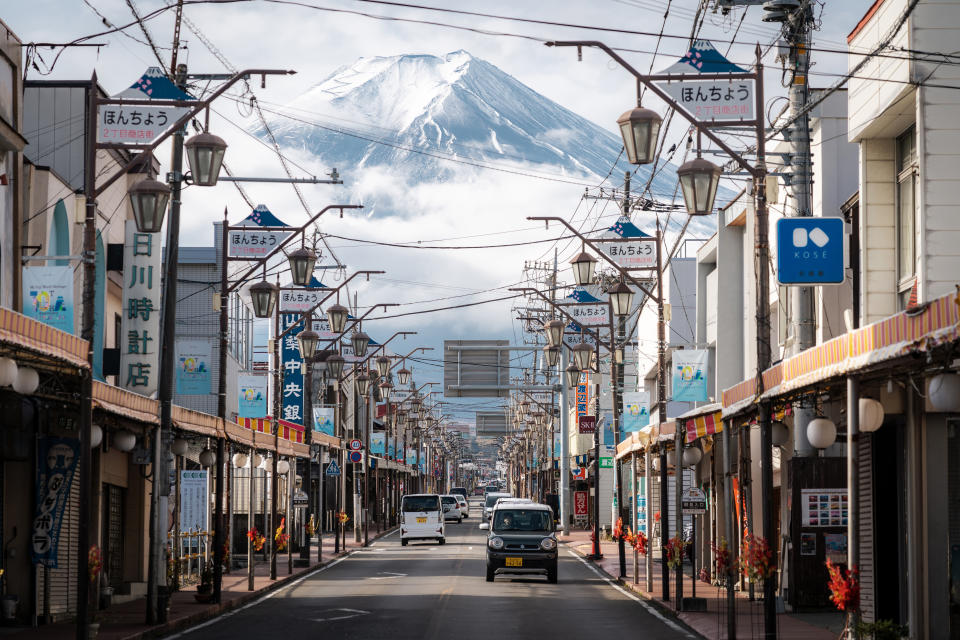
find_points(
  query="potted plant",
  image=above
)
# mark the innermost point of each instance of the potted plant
(204, 592)
(94, 567)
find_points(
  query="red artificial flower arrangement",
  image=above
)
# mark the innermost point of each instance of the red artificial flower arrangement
(94, 562)
(618, 529)
(844, 587)
(280, 538)
(723, 563)
(757, 561)
(674, 549)
(258, 540)
(640, 543)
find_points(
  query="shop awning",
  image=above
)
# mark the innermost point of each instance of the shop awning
(125, 404)
(202, 424)
(702, 421)
(17, 332)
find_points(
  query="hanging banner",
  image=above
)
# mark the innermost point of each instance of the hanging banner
(392, 449)
(323, 420)
(48, 295)
(193, 367)
(140, 323)
(252, 396)
(56, 465)
(378, 441)
(291, 368)
(194, 491)
(583, 395)
(690, 375)
(636, 410)
(607, 436)
(411, 455)
(139, 124)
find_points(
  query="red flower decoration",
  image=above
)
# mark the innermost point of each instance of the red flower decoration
(844, 587)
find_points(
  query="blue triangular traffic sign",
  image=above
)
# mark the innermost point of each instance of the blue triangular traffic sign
(333, 469)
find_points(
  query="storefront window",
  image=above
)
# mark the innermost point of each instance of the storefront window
(906, 214)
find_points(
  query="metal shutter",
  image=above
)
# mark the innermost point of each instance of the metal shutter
(865, 489)
(61, 583)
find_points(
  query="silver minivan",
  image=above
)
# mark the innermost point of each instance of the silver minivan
(421, 518)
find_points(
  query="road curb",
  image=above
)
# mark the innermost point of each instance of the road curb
(664, 610)
(211, 613)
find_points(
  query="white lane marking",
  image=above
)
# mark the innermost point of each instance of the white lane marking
(656, 614)
(227, 614)
(386, 575)
(350, 613)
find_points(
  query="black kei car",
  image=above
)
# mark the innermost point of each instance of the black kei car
(522, 539)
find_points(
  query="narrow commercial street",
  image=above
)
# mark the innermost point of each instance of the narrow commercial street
(427, 591)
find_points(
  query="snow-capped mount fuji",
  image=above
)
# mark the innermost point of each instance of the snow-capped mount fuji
(418, 114)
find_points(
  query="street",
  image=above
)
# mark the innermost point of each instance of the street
(428, 591)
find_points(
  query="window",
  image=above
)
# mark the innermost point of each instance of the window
(906, 243)
(420, 503)
(522, 520)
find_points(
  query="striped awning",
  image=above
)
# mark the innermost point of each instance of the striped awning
(20, 332)
(704, 425)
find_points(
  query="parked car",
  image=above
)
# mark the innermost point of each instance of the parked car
(522, 539)
(421, 518)
(451, 508)
(464, 505)
(462, 491)
(490, 500)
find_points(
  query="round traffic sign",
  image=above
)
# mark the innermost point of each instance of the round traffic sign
(355, 445)
(355, 456)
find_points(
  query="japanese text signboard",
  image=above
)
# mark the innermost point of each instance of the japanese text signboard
(194, 496)
(300, 300)
(253, 242)
(580, 504)
(140, 322)
(635, 253)
(811, 251)
(725, 99)
(589, 315)
(56, 464)
(586, 424)
(583, 395)
(291, 392)
(141, 124)
(693, 502)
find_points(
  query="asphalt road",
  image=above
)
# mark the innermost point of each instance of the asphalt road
(425, 591)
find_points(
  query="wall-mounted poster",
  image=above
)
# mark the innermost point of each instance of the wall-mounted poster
(251, 396)
(636, 410)
(808, 544)
(824, 507)
(48, 295)
(323, 420)
(193, 367)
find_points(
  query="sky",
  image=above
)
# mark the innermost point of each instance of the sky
(482, 206)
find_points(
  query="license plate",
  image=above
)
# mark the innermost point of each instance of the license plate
(421, 520)
(514, 562)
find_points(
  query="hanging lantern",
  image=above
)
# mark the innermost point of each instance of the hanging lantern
(583, 267)
(263, 297)
(699, 179)
(621, 298)
(240, 460)
(639, 129)
(383, 366)
(403, 376)
(8, 372)
(359, 340)
(283, 467)
(337, 315)
(204, 153)
(148, 199)
(554, 330)
(943, 392)
(821, 432)
(302, 262)
(308, 341)
(582, 354)
(96, 436)
(179, 446)
(27, 381)
(208, 457)
(692, 456)
(779, 434)
(655, 463)
(871, 415)
(256, 460)
(551, 355)
(124, 441)
(363, 384)
(335, 363)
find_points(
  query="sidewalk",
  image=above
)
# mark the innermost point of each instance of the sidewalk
(126, 621)
(711, 623)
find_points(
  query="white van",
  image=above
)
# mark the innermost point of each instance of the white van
(421, 518)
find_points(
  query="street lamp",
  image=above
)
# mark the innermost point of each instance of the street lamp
(363, 384)
(148, 198)
(573, 375)
(359, 340)
(639, 128)
(699, 179)
(263, 296)
(302, 262)
(621, 298)
(335, 365)
(583, 267)
(554, 330)
(383, 366)
(308, 341)
(403, 376)
(337, 317)
(582, 353)
(552, 353)
(205, 155)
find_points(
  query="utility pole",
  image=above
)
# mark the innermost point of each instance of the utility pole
(617, 390)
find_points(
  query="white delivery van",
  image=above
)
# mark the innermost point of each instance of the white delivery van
(421, 518)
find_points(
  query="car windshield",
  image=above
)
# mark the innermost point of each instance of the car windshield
(420, 503)
(492, 500)
(449, 500)
(521, 520)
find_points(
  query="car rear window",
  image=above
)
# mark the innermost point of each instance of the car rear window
(420, 503)
(492, 500)
(522, 520)
(448, 500)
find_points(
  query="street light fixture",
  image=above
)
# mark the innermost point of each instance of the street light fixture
(582, 354)
(335, 365)
(573, 375)
(308, 341)
(403, 376)
(383, 366)
(640, 128)
(621, 298)
(263, 296)
(552, 353)
(205, 156)
(363, 384)
(583, 268)
(302, 262)
(148, 198)
(554, 330)
(359, 340)
(699, 179)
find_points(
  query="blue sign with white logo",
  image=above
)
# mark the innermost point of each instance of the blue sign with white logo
(810, 251)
